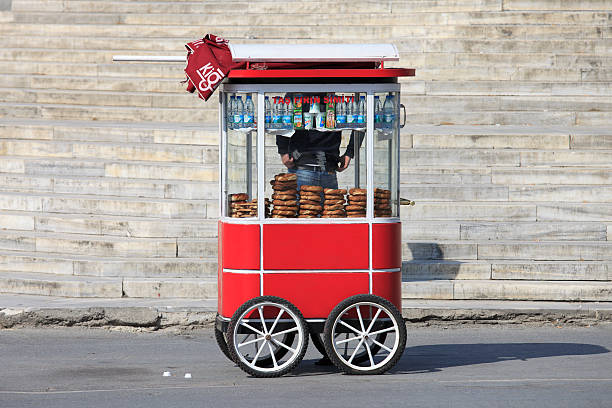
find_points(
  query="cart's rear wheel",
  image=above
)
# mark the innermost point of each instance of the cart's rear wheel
(222, 343)
(356, 326)
(260, 329)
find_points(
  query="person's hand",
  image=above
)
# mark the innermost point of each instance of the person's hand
(344, 163)
(287, 161)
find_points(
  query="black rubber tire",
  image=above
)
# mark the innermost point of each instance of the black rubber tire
(233, 324)
(335, 314)
(222, 343)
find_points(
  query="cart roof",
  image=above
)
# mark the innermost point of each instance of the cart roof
(313, 52)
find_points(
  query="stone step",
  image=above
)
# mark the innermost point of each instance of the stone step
(531, 231)
(106, 113)
(508, 290)
(118, 132)
(542, 251)
(120, 206)
(87, 286)
(423, 270)
(520, 87)
(483, 17)
(151, 100)
(54, 285)
(266, 26)
(216, 7)
(573, 175)
(106, 186)
(535, 20)
(87, 265)
(108, 151)
(91, 83)
(93, 245)
(120, 226)
(106, 69)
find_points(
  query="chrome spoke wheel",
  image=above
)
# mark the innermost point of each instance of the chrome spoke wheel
(365, 334)
(267, 337)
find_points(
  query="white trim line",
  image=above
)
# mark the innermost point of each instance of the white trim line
(265, 271)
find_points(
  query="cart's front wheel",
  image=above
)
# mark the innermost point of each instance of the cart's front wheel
(365, 334)
(267, 337)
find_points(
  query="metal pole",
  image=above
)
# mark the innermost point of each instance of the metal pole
(249, 164)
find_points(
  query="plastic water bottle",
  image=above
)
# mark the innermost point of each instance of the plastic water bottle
(389, 112)
(361, 113)
(231, 108)
(350, 114)
(287, 116)
(238, 113)
(377, 110)
(249, 112)
(268, 112)
(355, 110)
(340, 114)
(276, 115)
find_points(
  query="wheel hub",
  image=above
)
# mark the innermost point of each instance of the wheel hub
(268, 337)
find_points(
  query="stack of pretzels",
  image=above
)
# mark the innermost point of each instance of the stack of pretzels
(240, 207)
(310, 201)
(333, 206)
(382, 202)
(356, 206)
(284, 199)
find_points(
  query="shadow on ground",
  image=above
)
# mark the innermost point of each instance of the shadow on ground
(435, 357)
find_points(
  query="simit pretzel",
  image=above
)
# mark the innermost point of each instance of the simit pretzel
(286, 177)
(357, 191)
(333, 207)
(314, 189)
(284, 202)
(239, 197)
(333, 191)
(334, 197)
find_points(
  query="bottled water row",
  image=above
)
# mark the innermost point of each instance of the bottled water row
(345, 114)
(240, 114)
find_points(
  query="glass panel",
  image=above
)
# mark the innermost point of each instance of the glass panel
(386, 138)
(241, 153)
(314, 142)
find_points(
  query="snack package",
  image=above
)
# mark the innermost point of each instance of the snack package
(297, 113)
(330, 120)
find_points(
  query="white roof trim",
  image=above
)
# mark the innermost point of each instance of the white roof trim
(313, 52)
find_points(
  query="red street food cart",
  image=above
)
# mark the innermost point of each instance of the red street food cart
(287, 269)
(297, 260)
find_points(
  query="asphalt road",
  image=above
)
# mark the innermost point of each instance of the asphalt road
(475, 366)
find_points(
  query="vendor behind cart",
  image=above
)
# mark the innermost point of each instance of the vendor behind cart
(314, 155)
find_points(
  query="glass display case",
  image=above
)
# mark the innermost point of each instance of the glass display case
(319, 133)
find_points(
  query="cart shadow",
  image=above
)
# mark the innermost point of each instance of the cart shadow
(436, 357)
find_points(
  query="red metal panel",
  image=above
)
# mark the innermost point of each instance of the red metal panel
(387, 245)
(240, 246)
(315, 246)
(389, 286)
(315, 294)
(322, 73)
(237, 289)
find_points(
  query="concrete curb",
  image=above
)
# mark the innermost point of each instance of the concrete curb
(155, 314)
